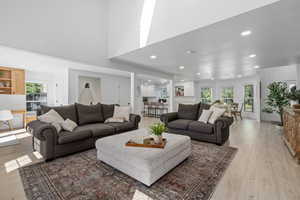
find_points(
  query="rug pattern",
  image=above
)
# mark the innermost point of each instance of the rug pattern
(82, 177)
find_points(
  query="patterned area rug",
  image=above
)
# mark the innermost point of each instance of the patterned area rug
(82, 177)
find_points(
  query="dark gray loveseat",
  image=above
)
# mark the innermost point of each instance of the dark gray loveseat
(185, 122)
(90, 119)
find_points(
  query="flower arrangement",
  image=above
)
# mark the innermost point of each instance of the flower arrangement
(157, 129)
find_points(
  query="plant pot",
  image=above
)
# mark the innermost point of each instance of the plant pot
(157, 138)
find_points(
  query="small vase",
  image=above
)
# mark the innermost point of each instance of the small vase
(157, 138)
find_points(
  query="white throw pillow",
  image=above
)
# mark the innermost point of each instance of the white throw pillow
(205, 116)
(217, 112)
(53, 118)
(68, 125)
(115, 120)
(57, 126)
(122, 112)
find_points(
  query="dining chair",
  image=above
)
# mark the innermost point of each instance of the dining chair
(237, 112)
(6, 117)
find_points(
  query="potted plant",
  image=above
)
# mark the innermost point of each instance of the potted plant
(294, 96)
(157, 129)
(1, 73)
(277, 99)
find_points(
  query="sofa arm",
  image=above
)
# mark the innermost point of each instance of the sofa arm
(224, 122)
(168, 117)
(221, 127)
(40, 129)
(47, 135)
(135, 118)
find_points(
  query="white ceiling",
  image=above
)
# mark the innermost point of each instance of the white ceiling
(220, 50)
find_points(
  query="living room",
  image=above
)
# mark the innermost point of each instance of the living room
(116, 99)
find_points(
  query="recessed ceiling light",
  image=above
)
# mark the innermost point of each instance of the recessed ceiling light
(153, 57)
(239, 76)
(182, 80)
(246, 33)
(252, 56)
(198, 73)
(181, 67)
(256, 67)
(149, 80)
(190, 51)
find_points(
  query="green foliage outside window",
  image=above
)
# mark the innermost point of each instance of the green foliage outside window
(206, 95)
(227, 95)
(34, 88)
(249, 98)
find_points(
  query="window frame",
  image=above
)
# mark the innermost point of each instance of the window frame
(251, 98)
(41, 102)
(222, 97)
(205, 99)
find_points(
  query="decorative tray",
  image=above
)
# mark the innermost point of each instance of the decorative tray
(148, 143)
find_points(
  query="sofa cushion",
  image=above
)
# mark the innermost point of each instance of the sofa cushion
(108, 110)
(98, 130)
(189, 112)
(179, 124)
(202, 107)
(88, 114)
(201, 127)
(65, 137)
(122, 127)
(66, 112)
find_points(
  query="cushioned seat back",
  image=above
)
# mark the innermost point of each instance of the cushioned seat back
(66, 112)
(108, 110)
(189, 112)
(88, 114)
(202, 107)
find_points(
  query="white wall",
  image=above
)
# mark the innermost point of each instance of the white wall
(170, 18)
(70, 29)
(114, 89)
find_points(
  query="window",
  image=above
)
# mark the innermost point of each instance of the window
(36, 95)
(206, 95)
(227, 95)
(249, 98)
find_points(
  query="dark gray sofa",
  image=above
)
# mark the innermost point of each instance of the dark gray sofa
(185, 122)
(91, 126)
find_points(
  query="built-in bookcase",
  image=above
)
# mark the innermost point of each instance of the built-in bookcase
(12, 81)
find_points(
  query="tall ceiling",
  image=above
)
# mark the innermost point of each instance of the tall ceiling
(220, 52)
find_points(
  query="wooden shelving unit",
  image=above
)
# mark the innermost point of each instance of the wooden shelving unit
(12, 81)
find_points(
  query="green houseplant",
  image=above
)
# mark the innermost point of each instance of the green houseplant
(1, 74)
(157, 129)
(277, 99)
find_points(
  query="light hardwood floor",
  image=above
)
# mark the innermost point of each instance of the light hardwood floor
(261, 170)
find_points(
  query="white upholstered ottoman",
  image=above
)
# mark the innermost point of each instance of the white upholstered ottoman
(146, 165)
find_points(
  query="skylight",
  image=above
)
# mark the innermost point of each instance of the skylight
(146, 20)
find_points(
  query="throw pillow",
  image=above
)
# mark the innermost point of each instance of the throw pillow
(115, 120)
(108, 110)
(68, 125)
(205, 116)
(88, 114)
(53, 118)
(189, 112)
(217, 112)
(66, 112)
(57, 126)
(122, 112)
